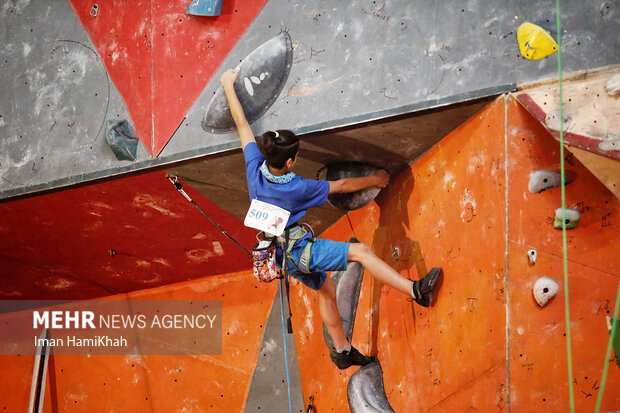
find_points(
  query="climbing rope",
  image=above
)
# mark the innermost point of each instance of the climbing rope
(564, 243)
(608, 353)
(288, 379)
(179, 187)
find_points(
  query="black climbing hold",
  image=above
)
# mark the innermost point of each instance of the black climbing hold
(122, 140)
(354, 200)
(262, 75)
(348, 286)
(366, 392)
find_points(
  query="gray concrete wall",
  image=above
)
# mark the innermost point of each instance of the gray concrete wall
(55, 100)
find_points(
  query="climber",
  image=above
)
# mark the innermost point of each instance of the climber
(270, 179)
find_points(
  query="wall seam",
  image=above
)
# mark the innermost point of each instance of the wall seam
(506, 287)
(153, 154)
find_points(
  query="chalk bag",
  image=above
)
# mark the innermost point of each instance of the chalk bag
(264, 260)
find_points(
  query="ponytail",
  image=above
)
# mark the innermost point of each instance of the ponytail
(279, 146)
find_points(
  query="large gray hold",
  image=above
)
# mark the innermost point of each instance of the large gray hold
(348, 286)
(353, 200)
(365, 391)
(262, 75)
(121, 138)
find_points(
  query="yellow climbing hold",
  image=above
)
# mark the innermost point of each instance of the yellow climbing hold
(535, 42)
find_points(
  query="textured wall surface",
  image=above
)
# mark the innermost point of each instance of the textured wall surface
(157, 383)
(151, 64)
(112, 237)
(486, 344)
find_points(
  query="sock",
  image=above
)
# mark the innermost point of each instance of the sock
(347, 349)
(413, 288)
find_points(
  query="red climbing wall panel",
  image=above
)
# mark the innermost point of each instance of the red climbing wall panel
(159, 58)
(218, 383)
(129, 234)
(449, 209)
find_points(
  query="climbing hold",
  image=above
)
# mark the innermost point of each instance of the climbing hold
(532, 255)
(535, 42)
(552, 120)
(542, 180)
(570, 215)
(270, 63)
(610, 145)
(94, 11)
(348, 286)
(615, 340)
(396, 253)
(607, 9)
(353, 200)
(121, 138)
(612, 87)
(545, 289)
(366, 392)
(205, 8)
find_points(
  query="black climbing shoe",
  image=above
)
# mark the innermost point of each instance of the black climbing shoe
(423, 289)
(350, 358)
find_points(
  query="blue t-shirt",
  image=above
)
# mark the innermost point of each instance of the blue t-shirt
(296, 196)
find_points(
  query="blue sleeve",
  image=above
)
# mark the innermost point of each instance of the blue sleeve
(252, 153)
(315, 192)
(253, 161)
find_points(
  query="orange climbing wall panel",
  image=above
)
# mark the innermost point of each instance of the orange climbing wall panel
(538, 362)
(157, 383)
(449, 209)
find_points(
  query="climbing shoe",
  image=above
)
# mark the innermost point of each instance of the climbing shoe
(350, 358)
(422, 290)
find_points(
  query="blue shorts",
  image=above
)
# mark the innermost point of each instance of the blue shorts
(325, 255)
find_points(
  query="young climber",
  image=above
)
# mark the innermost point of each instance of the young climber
(270, 179)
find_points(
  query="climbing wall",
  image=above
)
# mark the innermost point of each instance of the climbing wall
(112, 237)
(486, 344)
(70, 67)
(537, 354)
(157, 383)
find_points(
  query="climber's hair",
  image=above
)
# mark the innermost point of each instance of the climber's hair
(279, 146)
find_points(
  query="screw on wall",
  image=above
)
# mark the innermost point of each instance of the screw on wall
(532, 255)
(396, 253)
(94, 11)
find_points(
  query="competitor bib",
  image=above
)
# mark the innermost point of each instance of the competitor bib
(266, 217)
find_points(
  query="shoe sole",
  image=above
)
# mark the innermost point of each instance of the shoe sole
(433, 276)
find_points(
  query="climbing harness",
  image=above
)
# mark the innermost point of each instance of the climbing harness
(293, 234)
